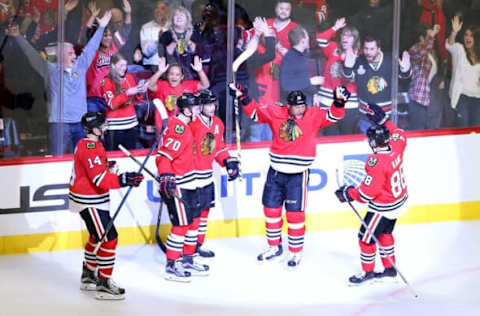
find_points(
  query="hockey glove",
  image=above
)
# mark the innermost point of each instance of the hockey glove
(342, 194)
(375, 113)
(232, 166)
(340, 96)
(131, 179)
(167, 184)
(240, 92)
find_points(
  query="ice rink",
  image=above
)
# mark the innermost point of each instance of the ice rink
(441, 261)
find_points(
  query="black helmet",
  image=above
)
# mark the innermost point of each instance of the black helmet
(378, 136)
(187, 100)
(90, 120)
(296, 98)
(206, 97)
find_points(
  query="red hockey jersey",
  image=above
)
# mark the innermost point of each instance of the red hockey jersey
(384, 187)
(168, 94)
(208, 135)
(91, 180)
(294, 147)
(268, 83)
(177, 155)
(282, 34)
(333, 73)
(98, 69)
(120, 107)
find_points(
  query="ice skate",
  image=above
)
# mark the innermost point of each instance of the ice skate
(88, 281)
(294, 259)
(204, 253)
(195, 268)
(274, 252)
(361, 278)
(388, 275)
(108, 290)
(175, 272)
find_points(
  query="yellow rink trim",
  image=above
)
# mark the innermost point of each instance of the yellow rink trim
(234, 228)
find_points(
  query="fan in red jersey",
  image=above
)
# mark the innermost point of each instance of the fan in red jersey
(169, 90)
(120, 92)
(294, 128)
(90, 186)
(208, 131)
(335, 53)
(384, 189)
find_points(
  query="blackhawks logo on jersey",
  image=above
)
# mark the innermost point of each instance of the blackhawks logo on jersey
(376, 84)
(179, 129)
(207, 145)
(171, 102)
(372, 161)
(336, 69)
(290, 131)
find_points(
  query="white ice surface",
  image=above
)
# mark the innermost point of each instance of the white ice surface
(441, 262)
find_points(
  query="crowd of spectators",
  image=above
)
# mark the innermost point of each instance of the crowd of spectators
(118, 55)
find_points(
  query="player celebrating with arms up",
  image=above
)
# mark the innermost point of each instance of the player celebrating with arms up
(384, 189)
(90, 184)
(293, 150)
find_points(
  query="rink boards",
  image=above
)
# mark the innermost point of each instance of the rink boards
(441, 171)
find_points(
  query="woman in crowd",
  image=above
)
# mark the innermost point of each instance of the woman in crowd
(121, 92)
(177, 44)
(169, 90)
(334, 52)
(100, 66)
(465, 85)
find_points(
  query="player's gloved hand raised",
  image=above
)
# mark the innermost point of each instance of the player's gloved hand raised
(374, 113)
(342, 194)
(167, 184)
(340, 96)
(131, 179)
(240, 92)
(232, 166)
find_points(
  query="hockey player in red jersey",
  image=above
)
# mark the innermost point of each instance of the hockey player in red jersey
(208, 131)
(384, 189)
(178, 189)
(293, 150)
(90, 183)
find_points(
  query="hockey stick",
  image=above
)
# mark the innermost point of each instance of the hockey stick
(164, 116)
(236, 64)
(157, 236)
(150, 173)
(110, 224)
(375, 238)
